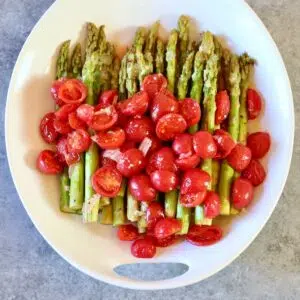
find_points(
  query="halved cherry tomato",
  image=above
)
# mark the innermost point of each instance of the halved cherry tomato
(85, 113)
(239, 158)
(107, 181)
(254, 104)
(241, 193)
(104, 118)
(223, 107)
(190, 110)
(127, 232)
(204, 145)
(106, 161)
(211, 205)
(62, 126)
(166, 227)
(111, 139)
(255, 172)
(78, 141)
(127, 145)
(141, 188)
(72, 91)
(203, 235)
(183, 145)
(131, 162)
(75, 122)
(169, 125)
(163, 103)
(143, 248)
(48, 163)
(190, 162)
(137, 105)
(64, 156)
(63, 112)
(139, 128)
(164, 181)
(154, 213)
(224, 142)
(155, 145)
(192, 199)
(194, 181)
(153, 83)
(54, 90)
(259, 144)
(47, 129)
(108, 98)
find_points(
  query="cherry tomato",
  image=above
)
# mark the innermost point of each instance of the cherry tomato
(104, 118)
(168, 126)
(154, 213)
(165, 242)
(64, 156)
(72, 91)
(194, 181)
(63, 112)
(223, 107)
(127, 145)
(152, 84)
(212, 205)
(239, 158)
(224, 142)
(204, 145)
(138, 129)
(75, 122)
(254, 104)
(155, 145)
(191, 111)
(111, 139)
(105, 161)
(137, 105)
(141, 188)
(183, 145)
(192, 199)
(241, 193)
(163, 103)
(127, 232)
(78, 141)
(47, 129)
(107, 181)
(122, 119)
(166, 227)
(131, 162)
(48, 163)
(203, 235)
(62, 126)
(54, 90)
(85, 113)
(108, 98)
(190, 162)
(259, 144)
(164, 181)
(255, 172)
(143, 248)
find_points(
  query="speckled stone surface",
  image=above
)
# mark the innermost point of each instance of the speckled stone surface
(268, 269)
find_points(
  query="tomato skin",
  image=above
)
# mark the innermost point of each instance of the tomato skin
(104, 118)
(154, 213)
(127, 145)
(241, 193)
(127, 232)
(224, 142)
(259, 143)
(108, 97)
(131, 162)
(106, 161)
(47, 129)
(203, 235)
(204, 145)
(212, 205)
(166, 227)
(164, 181)
(194, 181)
(75, 122)
(143, 248)
(111, 139)
(223, 107)
(64, 156)
(190, 110)
(138, 129)
(78, 141)
(190, 162)
(255, 172)
(192, 199)
(137, 105)
(152, 84)
(155, 145)
(254, 104)
(54, 90)
(63, 112)
(141, 188)
(183, 145)
(62, 126)
(85, 113)
(48, 163)
(164, 242)
(72, 91)
(239, 158)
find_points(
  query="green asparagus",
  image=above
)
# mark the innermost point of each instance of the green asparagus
(171, 203)
(92, 39)
(76, 63)
(118, 206)
(115, 73)
(183, 41)
(62, 60)
(152, 38)
(160, 57)
(122, 78)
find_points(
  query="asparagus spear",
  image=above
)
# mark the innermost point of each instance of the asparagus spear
(152, 38)
(171, 203)
(132, 73)
(62, 60)
(92, 39)
(132, 207)
(183, 214)
(118, 206)
(183, 41)
(160, 57)
(115, 73)
(122, 78)
(142, 222)
(107, 214)
(102, 39)
(76, 62)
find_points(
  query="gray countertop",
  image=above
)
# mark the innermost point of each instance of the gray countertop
(268, 269)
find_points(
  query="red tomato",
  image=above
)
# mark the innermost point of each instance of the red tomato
(107, 181)
(48, 163)
(164, 181)
(192, 199)
(137, 105)
(143, 248)
(54, 90)
(64, 155)
(183, 145)
(127, 145)
(72, 91)
(203, 235)
(78, 141)
(131, 162)
(204, 145)
(259, 144)
(254, 104)
(108, 98)
(191, 111)
(104, 118)
(190, 162)
(223, 107)
(239, 158)
(152, 84)
(75, 122)
(165, 242)
(47, 129)
(241, 193)
(127, 232)
(194, 181)
(85, 113)
(155, 145)
(62, 126)
(138, 129)
(168, 126)
(166, 227)
(255, 172)
(64, 111)
(212, 205)
(141, 188)
(224, 142)
(106, 161)
(154, 213)
(163, 103)
(111, 139)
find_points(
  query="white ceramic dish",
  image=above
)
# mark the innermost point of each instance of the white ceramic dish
(94, 249)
